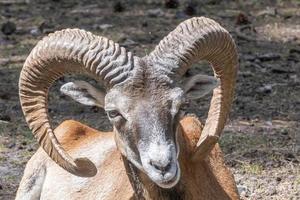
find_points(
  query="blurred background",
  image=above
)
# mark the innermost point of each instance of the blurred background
(261, 141)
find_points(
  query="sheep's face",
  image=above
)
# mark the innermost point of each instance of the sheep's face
(145, 114)
(145, 126)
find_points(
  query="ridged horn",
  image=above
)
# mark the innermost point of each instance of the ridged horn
(67, 51)
(198, 39)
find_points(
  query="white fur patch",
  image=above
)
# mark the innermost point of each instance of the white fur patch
(66, 184)
(160, 154)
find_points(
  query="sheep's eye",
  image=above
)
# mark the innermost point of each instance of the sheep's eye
(113, 114)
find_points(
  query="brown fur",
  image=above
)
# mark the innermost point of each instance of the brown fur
(207, 179)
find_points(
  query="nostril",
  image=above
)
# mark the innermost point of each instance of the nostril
(161, 168)
(168, 166)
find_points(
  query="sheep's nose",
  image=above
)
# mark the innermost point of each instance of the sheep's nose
(163, 168)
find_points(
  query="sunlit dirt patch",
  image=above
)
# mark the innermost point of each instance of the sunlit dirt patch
(279, 32)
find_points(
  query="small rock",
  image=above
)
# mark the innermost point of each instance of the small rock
(249, 57)
(294, 50)
(118, 7)
(257, 61)
(5, 118)
(105, 26)
(30, 149)
(190, 9)
(35, 31)
(1, 187)
(295, 78)
(272, 191)
(246, 74)
(268, 11)
(242, 19)
(20, 147)
(180, 15)
(128, 42)
(265, 89)
(24, 143)
(289, 156)
(243, 191)
(284, 131)
(45, 27)
(171, 4)
(155, 12)
(278, 179)
(144, 24)
(269, 57)
(281, 70)
(11, 145)
(212, 2)
(269, 123)
(122, 38)
(5, 96)
(8, 28)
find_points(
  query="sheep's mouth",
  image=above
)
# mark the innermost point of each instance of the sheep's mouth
(167, 184)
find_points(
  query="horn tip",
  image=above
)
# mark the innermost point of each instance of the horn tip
(85, 167)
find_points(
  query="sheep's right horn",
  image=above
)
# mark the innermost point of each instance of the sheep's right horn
(198, 39)
(67, 51)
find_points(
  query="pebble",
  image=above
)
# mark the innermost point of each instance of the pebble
(118, 7)
(268, 11)
(144, 24)
(278, 179)
(10, 146)
(265, 89)
(289, 156)
(180, 15)
(171, 4)
(103, 26)
(5, 117)
(35, 31)
(294, 50)
(284, 131)
(44, 27)
(5, 96)
(243, 191)
(8, 28)
(242, 19)
(269, 57)
(128, 42)
(30, 149)
(281, 70)
(190, 9)
(20, 147)
(155, 12)
(249, 57)
(272, 191)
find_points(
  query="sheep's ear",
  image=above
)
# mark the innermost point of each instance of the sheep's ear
(84, 93)
(199, 85)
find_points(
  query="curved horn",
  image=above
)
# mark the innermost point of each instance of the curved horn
(202, 39)
(67, 51)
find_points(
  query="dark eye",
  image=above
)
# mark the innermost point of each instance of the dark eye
(113, 114)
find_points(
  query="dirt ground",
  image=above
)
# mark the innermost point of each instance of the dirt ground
(261, 140)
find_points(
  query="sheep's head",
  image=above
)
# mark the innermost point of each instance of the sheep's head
(144, 95)
(145, 113)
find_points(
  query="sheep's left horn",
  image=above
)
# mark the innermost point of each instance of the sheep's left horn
(67, 51)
